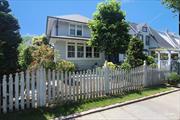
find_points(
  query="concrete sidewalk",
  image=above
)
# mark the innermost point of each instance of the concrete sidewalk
(166, 107)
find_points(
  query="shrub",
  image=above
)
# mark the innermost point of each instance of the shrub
(174, 78)
(111, 65)
(125, 66)
(135, 55)
(25, 56)
(154, 65)
(63, 65)
(150, 60)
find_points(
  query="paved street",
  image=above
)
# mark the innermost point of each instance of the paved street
(165, 107)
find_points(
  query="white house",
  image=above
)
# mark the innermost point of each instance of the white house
(69, 35)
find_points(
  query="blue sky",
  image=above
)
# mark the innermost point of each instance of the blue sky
(32, 14)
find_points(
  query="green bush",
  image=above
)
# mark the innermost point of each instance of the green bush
(63, 65)
(174, 78)
(111, 65)
(154, 65)
(125, 66)
(150, 60)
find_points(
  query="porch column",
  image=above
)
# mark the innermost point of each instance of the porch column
(169, 60)
(159, 59)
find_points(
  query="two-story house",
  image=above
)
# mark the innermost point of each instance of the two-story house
(69, 35)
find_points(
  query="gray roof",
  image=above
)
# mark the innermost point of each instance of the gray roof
(75, 17)
(164, 39)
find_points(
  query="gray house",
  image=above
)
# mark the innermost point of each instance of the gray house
(69, 35)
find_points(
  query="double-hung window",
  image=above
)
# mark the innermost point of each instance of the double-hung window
(72, 30)
(140, 36)
(71, 50)
(88, 52)
(79, 30)
(96, 53)
(147, 40)
(80, 50)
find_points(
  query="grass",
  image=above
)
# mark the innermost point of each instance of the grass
(69, 108)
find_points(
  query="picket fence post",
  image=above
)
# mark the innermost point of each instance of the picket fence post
(106, 78)
(145, 74)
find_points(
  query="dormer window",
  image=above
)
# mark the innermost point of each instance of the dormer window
(75, 30)
(144, 29)
(72, 30)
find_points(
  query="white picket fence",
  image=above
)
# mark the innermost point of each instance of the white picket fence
(43, 87)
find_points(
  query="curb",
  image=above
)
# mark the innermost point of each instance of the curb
(72, 116)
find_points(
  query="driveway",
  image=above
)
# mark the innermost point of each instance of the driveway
(166, 107)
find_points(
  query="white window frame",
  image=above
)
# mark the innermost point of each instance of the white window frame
(71, 51)
(82, 45)
(76, 24)
(70, 30)
(78, 58)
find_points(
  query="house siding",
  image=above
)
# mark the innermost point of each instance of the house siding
(60, 48)
(63, 29)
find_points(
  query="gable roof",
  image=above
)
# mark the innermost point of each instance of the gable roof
(74, 17)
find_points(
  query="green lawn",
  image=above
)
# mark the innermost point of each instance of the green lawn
(66, 109)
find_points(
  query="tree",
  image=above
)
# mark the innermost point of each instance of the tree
(175, 6)
(31, 57)
(135, 55)
(109, 30)
(9, 39)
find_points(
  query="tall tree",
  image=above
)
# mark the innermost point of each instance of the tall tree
(175, 6)
(9, 39)
(109, 30)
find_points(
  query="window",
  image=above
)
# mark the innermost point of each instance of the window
(71, 50)
(147, 40)
(80, 50)
(144, 29)
(88, 52)
(79, 30)
(96, 53)
(140, 36)
(72, 30)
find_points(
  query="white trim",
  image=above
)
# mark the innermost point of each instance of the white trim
(84, 58)
(76, 24)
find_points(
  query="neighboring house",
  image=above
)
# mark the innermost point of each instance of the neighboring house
(154, 39)
(69, 35)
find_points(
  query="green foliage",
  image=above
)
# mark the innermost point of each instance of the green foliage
(174, 78)
(25, 56)
(109, 30)
(125, 66)
(150, 60)
(172, 4)
(39, 40)
(42, 55)
(153, 65)
(9, 39)
(63, 65)
(135, 55)
(111, 65)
